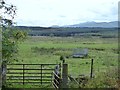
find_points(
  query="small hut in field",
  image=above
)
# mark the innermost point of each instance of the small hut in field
(80, 53)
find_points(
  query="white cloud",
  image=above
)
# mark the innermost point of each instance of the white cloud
(61, 12)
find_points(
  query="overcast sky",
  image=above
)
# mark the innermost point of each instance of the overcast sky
(64, 12)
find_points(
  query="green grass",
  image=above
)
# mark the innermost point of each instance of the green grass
(101, 57)
(103, 51)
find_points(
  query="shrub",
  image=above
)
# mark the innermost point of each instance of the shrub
(104, 80)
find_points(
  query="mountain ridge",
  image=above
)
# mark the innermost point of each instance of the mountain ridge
(95, 24)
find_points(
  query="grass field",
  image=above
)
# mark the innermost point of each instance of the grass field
(41, 49)
(49, 49)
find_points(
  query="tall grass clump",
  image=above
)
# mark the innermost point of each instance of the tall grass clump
(107, 79)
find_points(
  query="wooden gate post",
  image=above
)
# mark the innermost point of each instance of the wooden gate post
(1, 58)
(91, 73)
(64, 76)
(0, 76)
(4, 71)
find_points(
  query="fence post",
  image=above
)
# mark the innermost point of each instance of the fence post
(1, 58)
(0, 75)
(4, 71)
(91, 73)
(65, 76)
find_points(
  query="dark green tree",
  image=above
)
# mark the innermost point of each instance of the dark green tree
(10, 36)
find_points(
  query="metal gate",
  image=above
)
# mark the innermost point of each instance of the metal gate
(29, 73)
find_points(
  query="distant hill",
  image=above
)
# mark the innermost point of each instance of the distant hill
(33, 27)
(96, 24)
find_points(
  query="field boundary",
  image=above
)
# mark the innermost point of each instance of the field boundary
(26, 74)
